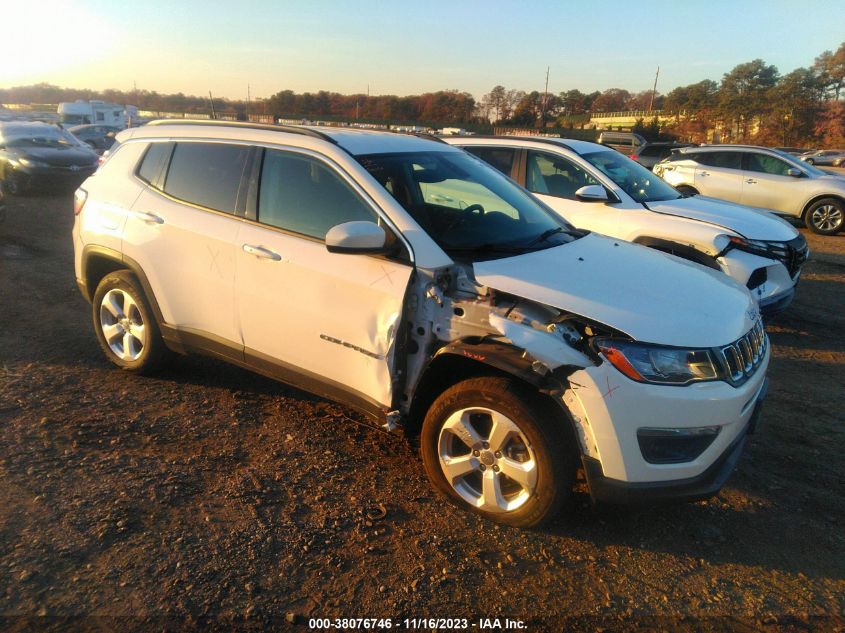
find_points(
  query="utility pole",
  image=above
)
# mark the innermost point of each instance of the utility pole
(654, 90)
(545, 101)
(211, 100)
(247, 102)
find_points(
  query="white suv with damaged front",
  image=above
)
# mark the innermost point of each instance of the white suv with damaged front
(518, 347)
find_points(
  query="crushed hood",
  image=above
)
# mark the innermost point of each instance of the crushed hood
(753, 224)
(652, 297)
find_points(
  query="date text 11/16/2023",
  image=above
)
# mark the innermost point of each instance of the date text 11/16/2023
(490, 624)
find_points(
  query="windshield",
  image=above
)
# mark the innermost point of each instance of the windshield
(634, 179)
(39, 137)
(471, 210)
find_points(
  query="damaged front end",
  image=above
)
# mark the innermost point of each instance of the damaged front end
(457, 326)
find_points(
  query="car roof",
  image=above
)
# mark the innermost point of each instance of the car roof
(352, 140)
(724, 146)
(579, 147)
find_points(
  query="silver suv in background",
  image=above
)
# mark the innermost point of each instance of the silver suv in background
(832, 157)
(760, 177)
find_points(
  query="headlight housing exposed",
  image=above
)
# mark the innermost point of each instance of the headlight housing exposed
(662, 365)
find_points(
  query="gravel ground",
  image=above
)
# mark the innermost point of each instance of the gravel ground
(211, 496)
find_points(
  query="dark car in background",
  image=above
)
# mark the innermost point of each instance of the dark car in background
(98, 137)
(650, 154)
(35, 155)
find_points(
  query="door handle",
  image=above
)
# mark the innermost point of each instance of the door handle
(149, 218)
(263, 253)
(704, 173)
(751, 181)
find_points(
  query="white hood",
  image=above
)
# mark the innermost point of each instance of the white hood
(753, 224)
(652, 297)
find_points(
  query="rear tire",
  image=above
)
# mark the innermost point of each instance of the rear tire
(125, 325)
(507, 453)
(825, 216)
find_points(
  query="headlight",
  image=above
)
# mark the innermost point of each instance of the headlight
(28, 162)
(664, 365)
(755, 247)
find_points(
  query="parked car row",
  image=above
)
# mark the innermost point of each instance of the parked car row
(406, 278)
(760, 177)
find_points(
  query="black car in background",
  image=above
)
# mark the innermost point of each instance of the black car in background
(36, 155)
(98, 137)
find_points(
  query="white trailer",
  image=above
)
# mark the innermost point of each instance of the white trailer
(83, 112)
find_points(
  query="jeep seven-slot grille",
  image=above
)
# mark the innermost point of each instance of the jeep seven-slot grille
(742, 357)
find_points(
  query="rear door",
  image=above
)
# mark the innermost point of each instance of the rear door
(719, 175)
(325, 321)
(182, 230)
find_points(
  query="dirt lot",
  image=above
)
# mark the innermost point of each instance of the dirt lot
(211, 495)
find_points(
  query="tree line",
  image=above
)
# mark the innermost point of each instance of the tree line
(753, 103)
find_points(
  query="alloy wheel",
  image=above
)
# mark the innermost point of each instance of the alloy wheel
(827, 217)
(487, 459)
(122, 324)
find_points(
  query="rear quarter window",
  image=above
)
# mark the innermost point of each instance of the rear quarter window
(153, 162)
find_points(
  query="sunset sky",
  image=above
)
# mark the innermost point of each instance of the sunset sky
(404, 47)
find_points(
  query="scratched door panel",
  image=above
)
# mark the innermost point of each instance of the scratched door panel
(334, 315)
(188, 258)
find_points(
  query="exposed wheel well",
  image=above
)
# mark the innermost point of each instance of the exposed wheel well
(816, 199)
(449, 369)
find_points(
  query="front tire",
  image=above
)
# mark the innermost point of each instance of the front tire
(825, 216)
(125, 325)
(687, 191)
(492, 447)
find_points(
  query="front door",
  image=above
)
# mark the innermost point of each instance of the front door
(328, 320)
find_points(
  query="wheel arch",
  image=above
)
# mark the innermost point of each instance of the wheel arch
(99, 261)
(818, 197)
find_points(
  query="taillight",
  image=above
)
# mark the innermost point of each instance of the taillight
(632, 156)
(79, 198)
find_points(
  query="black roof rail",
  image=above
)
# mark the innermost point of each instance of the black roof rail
(305, 131)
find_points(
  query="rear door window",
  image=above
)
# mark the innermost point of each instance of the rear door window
(725, 160)
(207, 174)
(501, 158)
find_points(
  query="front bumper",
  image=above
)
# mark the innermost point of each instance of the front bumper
(703, 486)
(776, 304)
(63, 177)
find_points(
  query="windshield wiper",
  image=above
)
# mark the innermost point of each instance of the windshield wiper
(546, 235)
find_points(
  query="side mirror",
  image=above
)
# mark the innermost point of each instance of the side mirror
(795, 173)
(356, 237)
(591, 193)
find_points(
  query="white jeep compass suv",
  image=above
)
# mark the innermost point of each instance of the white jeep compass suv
(520, 347)
(602, 190)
